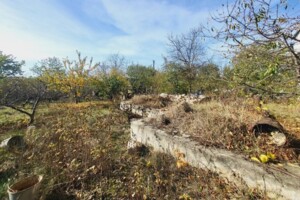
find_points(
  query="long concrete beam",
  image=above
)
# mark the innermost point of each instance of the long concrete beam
(276, 183)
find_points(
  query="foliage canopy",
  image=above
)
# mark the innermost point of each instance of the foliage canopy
(9, 66)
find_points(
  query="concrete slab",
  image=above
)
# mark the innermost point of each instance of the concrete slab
(275, 182)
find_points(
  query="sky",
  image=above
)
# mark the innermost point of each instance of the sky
(33, 30)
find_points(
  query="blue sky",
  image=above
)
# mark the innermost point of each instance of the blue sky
(32, 30)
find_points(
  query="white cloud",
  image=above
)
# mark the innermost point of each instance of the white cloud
(37, 30)
(139, 17)
(33, 30)
(148, 23)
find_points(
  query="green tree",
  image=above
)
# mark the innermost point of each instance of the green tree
(274, 23)
(227, 77)
(161, 84)
(112, 85)
(176, 78)
(51, 72)
(141, 78)
(49, 66)
(260, 70)
(9, 66)
(76, 82)
(209, 78)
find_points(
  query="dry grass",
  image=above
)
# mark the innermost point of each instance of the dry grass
(148, 101)
(288, 115)
(217, 122)
(81, 151)
(10, 117)
(225, 125)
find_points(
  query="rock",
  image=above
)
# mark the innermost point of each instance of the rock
(164, 95)
(185, 136)
(197, 99)
(185, 107)
(277, 138)
(137, 148)
(165, 99)
(154, 113)
(14, 142)
(124, 106)
(201, 96)
(138, 110)
(165, 120)
(131, 144)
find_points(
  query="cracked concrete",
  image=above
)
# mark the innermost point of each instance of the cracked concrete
(278, 182)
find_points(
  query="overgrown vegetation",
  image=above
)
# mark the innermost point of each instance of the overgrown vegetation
(81, 151)
(288, 114)
(226, 124)
(80, 147)
(148, 101)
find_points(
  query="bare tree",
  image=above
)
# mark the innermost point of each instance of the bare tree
(116, 61)
(187, 50)
(15, 93)
(264, 22)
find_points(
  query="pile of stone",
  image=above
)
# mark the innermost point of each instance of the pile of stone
(192, 98)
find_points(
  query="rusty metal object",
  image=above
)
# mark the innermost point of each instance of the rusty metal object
(266, 125)
(13, 143)
(273, 128)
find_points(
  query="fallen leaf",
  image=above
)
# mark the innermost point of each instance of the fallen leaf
(255, 159)
(263, 158)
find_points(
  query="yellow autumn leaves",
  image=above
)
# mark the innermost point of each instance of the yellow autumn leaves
(180, 163)
(73, 79)
(264, 158)
(180, 160)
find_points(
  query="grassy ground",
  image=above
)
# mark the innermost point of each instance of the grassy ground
(227, 123)
(288, 115)
(81, 151)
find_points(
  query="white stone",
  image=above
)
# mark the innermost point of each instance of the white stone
(278, 138)
(132, 144)
(164, 95)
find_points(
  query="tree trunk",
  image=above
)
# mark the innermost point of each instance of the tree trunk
(76, 97)
(190, 86)
(30, 115)
(298, 73)
(297, 67)
(31, 119)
